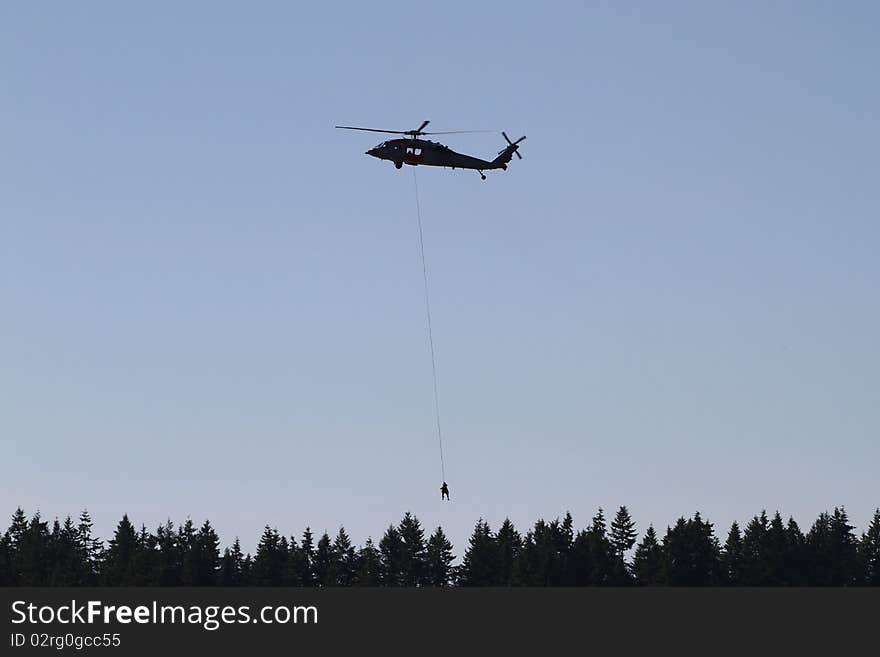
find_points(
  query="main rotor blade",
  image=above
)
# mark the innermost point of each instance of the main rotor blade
(390, 132)
(422, 127)
(456, 132)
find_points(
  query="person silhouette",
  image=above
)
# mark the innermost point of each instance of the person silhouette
(444, 492)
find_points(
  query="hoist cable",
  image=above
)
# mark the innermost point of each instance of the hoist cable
(430, 331)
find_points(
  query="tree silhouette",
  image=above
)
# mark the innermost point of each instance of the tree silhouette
(413, 554)
(121, 559)
(768, 553)
(647, 566)
(478, 566)
(438, 562)
(509, 554)
(369, 567)
(346, 560)
(732, 557)
(869, 552)
(692, 554)
(391, 558)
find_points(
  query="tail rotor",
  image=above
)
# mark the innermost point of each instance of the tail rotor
(512, 146)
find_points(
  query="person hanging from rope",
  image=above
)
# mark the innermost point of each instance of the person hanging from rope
(444, 492)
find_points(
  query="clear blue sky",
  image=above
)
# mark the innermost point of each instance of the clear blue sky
(212, 299)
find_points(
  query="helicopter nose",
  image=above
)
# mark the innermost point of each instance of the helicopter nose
(373, 151)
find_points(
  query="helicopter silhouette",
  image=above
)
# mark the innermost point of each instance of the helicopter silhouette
(414, 151)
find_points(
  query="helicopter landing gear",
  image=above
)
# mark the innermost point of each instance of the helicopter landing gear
(398, 164)
(482, 175)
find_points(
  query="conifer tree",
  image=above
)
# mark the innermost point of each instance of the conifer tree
(324, 564)
(601, 551)
(818, 549)
(7, 573)
(121, 559)
(368, 565)
(439, 558)
(869, 552)
(207, 562)
(189, 554)
(543, 561)
(346, 559)
(30, 550)
(648, 560)
(170, 558)
(306, 557)
(509, 552)
(268, 562)
(146, 558)
(413, 552)
(247, 570)
(844, 555)
(691, 554)
(776, 553)
(754, 554)
(67, 568)
(230, 565)
(90, 548)
(732, 557)
(478, 566)
(623, 537)
(795, 554)
(391, 558)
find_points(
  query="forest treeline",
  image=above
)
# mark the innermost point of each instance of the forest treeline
(767, 552)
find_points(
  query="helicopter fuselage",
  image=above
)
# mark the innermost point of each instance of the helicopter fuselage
(428, 153)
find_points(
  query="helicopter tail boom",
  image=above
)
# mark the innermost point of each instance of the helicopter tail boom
(504, 156)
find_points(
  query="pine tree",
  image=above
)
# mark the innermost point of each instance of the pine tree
(207, 562)
(795, 558)
(90, 548)
(189, 554)
(509, 551)
(439, 558)
(844, 546)
(547, 554)
(478, 565)
(369, 569)
(691, 554)
(391, 558)
(732, 557)
(230, 565)
(648, 560)
(414, 552)
(146, 559)
(268, 562)
(601, 553)
(7, 572)
(869, 552)
(776, 552)
(325, 562)
(170, 558)
(67, 567)
(818, 549)
(623, 537)
(306, 555)
(754, 554)
(122, 554)
(346, 559)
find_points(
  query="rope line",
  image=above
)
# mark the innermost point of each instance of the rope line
(430, 331)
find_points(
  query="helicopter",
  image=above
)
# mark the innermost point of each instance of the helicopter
(414, 151)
